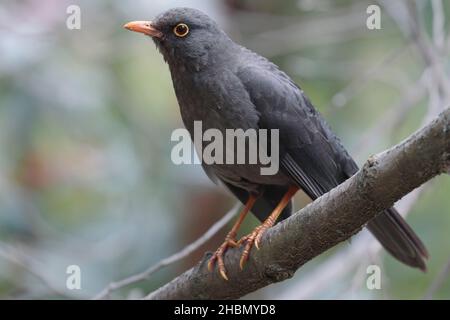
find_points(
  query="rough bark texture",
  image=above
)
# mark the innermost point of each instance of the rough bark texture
(334, 217)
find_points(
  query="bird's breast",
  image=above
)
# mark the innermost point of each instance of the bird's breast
(216, 98)
(217, 111)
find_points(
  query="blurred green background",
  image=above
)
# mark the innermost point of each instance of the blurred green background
(85, 123)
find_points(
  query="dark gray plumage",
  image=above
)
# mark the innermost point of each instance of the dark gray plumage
(228, 86)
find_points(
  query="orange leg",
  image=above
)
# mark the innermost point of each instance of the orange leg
(255, 236)
(230, 240)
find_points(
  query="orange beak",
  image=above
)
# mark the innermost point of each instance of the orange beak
(144, 27)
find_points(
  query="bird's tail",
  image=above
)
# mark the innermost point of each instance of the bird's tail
(399, 239)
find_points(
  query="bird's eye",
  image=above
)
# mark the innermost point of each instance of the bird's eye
(181, 30)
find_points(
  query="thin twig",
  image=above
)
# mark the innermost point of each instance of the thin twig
(439, 281)
(344, 95)
(427, 50)
(391, 119)
(438, 24)
(12, 255)
(186, 251)
(340, 26)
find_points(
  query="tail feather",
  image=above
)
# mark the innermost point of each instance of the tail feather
(399, 239)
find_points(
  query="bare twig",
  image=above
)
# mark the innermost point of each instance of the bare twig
(348, 92)
(186, 251)
(439, 281)
(340, 26)
(414, 30)
(14, 256)
(438, 24)
(393, 116)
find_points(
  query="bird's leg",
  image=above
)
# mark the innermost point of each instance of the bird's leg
(230, 240)
(255, 236)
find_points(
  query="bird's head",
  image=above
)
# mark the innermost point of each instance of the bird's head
(184, 36)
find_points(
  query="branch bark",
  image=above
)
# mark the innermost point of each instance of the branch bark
(331, 219)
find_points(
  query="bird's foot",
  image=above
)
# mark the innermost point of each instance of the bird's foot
(251, 239)
(229, 242)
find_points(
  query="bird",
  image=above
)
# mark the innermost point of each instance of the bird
(225, 85)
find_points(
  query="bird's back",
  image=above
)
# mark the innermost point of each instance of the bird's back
(304, 133)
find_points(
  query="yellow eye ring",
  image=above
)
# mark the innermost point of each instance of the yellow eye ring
(181, 30)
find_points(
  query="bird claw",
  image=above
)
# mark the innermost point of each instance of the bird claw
(251, 239)
(218, 255)
(254, 238)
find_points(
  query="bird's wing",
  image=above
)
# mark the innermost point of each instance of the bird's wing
(309, 152)
(314, 157)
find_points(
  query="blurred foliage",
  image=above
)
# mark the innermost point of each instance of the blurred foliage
(85, 123)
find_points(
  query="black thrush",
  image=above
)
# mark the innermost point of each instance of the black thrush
(227, 86)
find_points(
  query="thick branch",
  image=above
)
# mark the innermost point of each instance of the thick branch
(334, 217)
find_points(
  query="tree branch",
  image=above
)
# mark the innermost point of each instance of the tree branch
(329, 220)
(364, 248)
(186, 251)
